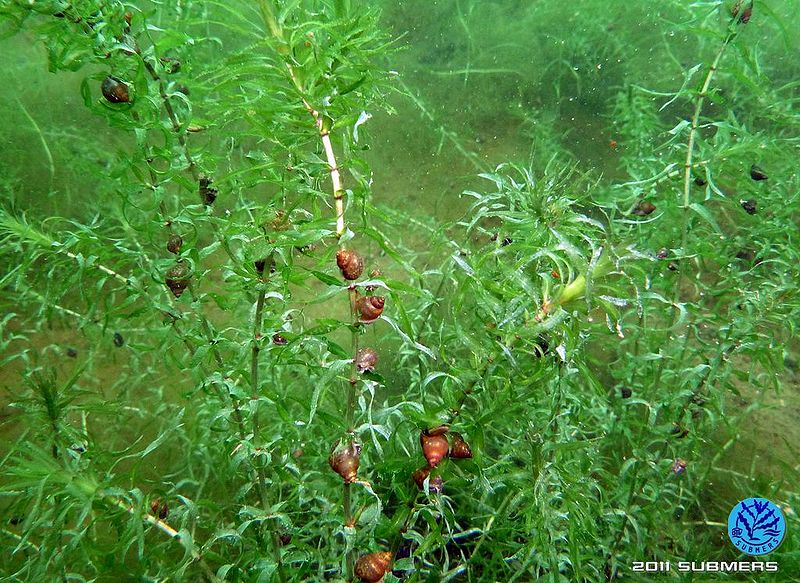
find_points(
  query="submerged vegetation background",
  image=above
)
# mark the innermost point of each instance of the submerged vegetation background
(462, 290)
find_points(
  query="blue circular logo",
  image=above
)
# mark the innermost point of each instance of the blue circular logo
(756, 526)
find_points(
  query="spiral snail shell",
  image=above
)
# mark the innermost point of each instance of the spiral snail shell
(366, 359)
(177, 279)
(434, 447)
(369, 308)
(372, 567)
(174, 243)
(344, 461)
(460, 449)
(115, 90)
(350, 263)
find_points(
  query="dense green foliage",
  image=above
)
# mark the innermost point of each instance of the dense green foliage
(606, 314)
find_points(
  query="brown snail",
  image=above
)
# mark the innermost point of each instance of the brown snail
(372, 567)
(159, 508)
(369, 308)
(344, 461)
(460, 449)
(207, 192)
(749, 206)
(366, 359)
(350, 263)
(177, 279)
(435, 484)
(174, 243)
(644, 208)
(434, 444)
(115, 90)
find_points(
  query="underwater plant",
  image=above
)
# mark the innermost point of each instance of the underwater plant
(538, 332)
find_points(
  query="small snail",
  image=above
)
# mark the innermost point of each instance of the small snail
(644, 208)
(115, 90)
(372, 567)
(174, 243)
(434, 445)
(207, 192)
(435, 484)
(757, 173)
(369, 308)
(159, 508)
(461, 449)
(366, 359)
(177, 279)
(350, 263)
(749, 206)
(344, 461)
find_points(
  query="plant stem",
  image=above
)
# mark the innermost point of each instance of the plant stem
(320, 122)
(698, 108)
(171, 533)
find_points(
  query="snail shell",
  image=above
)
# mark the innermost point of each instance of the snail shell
(159, 508)
(350, 263)
(177, 279)
(369, 308)
(434, 447)
(115, 90)
(461, 449)
(366, 359)
(644, 208)
(372, 567)
(345, 461)
(174, 243)
(435, 484)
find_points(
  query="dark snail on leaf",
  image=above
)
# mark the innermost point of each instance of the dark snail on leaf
(159, 508)
(175, 243)
(372, 567)
(115, 90)
(350, 263)
(177, 279)
(344, 461)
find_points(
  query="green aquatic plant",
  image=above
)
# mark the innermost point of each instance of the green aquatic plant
(228, 355)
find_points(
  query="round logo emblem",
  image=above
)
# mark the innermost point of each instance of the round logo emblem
(756, 526)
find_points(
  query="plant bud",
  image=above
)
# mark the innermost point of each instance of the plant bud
(434, 447)
(435, 484)
(115, 90)
(366, 359)
(174, 243)
(344, 461)
(177, 279)
(644, 208)
(350, 263)
(369, 308)
(371, 568)
(461, 449)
